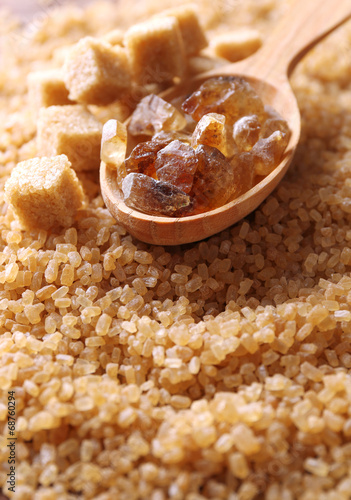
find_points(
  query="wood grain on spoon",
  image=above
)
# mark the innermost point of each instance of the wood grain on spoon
(268, 71)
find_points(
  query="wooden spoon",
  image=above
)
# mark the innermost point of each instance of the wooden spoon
(305, 23)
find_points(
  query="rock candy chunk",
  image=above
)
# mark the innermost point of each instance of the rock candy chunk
(244, 174)
(211, 131)
(273, 122)
(153, 115)
(190, 123)
(156, 50)
(95, 72)
(168, 137)
(213, 179)
(153, 197)
(176, 164)
(114, 143)
(44, 192)
(267, 153)
(230, 96)
(142, 159)
(246, 132)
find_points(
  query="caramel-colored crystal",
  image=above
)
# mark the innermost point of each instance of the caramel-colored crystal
(176, 164)
(273, 122)
(213, 180)
(168, 137)
(211, 131)
(246, 132)
(142, 158)
(153, 197)
(153, 115)
(267, 152)
(114, 143)
(230, 96)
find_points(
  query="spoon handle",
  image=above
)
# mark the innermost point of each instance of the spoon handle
(304, 24)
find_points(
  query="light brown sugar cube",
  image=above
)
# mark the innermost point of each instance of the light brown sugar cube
(114, 37)
(73, 131)
(193, 36)
(95, 72)
(156, 50)
(44, 192)
(47, 88)
(236, 45)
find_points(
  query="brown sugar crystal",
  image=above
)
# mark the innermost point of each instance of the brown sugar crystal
(246, 132)
(44, 192)
(176, 164)
(156, 50)
(230, 96)
(273, 122)
(95, 72)
(142, 158)
(214, 178)
(211, 131)
(267, 153)
(114, 143)
(153, 197)
(73, 131)
(153, 114)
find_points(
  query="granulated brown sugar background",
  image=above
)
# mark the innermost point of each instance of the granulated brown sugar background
(219, 370)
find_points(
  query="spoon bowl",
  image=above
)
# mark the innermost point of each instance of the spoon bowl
(267, 71)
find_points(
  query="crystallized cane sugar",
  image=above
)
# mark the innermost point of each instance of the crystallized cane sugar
(218, 370)
(153, 115)
(114, 143)
(153, 196)
(44, 192)
(231, 96)
(176, 164)
(246, 132)
(211, 131)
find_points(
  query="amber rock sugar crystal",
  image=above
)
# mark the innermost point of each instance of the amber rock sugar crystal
(153, 197)
(211, 131)
(214, 178)
(228, 95)
(267, 153)
(142, 158)
(246, 132)
(153, 114)
(114, 143)
(273, 122)
(176, 164)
